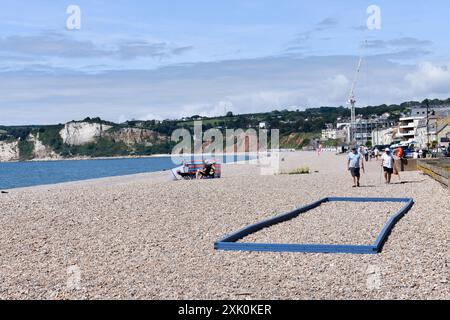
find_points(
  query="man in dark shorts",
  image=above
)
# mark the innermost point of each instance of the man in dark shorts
(387, 162)
(355, 164)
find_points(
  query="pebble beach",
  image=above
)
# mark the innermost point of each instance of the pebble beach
(148, 237)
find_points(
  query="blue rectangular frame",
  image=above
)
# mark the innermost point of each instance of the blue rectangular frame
(229, 243)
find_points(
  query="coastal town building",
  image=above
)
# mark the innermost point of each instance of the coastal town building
(334, 134)
(443, 132)
(365, 127)
(418, 130)
(437, 110)
(364, 130)
(436, 133)
(407, 128)
(426, 132)
(383, 136)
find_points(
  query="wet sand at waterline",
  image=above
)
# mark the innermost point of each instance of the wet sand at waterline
(146, 237)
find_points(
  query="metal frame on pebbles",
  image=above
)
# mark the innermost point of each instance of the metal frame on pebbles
(229, 243)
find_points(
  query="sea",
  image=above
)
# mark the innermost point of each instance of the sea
(34, 173)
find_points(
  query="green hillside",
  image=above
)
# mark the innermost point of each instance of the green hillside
(298, 128)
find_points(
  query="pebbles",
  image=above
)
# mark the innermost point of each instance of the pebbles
(144, 237)
(349, 223)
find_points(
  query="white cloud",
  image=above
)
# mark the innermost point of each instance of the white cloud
(430, 78)
(240, 86)
(150, 116)
(338, 87)
(53, 44)
(212, 109)
(269, 98)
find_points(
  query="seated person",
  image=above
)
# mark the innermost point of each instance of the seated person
(208, 170)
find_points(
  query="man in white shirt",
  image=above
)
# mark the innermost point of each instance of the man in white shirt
(354, 164)
(387, 162)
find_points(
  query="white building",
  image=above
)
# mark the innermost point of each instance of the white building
(436, 131)
(334, 134)
(365, 127)
(407, 129)
(438, 110)
(383, 136)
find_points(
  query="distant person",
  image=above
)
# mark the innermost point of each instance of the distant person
(320, 149)
(354, 164)
(387, 163)
(366, 153)
(376, 153)
(434, 152)
(399, 152)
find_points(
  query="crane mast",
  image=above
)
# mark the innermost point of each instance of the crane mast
(352, 101)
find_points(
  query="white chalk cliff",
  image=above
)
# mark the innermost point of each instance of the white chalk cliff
(40, 150)
(9, 151)
(79, 133)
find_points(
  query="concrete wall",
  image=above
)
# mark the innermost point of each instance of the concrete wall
(438, 169)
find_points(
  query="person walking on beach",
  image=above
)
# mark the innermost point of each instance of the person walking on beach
(376, 152)
(399, 152)
(387, 163)
(366, 153)
(354, 164)
(319, 149)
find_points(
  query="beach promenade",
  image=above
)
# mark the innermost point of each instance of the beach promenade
(147, 237)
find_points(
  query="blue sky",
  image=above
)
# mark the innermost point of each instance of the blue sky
(168, 59)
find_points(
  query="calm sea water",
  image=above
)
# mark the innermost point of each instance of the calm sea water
(27, 174)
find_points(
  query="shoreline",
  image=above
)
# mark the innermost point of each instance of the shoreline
(87, 158)
(160, 155)
(122, 178)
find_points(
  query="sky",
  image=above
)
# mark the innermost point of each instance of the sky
(168, 59)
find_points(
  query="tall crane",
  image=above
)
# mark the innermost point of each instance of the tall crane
(352, 102)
